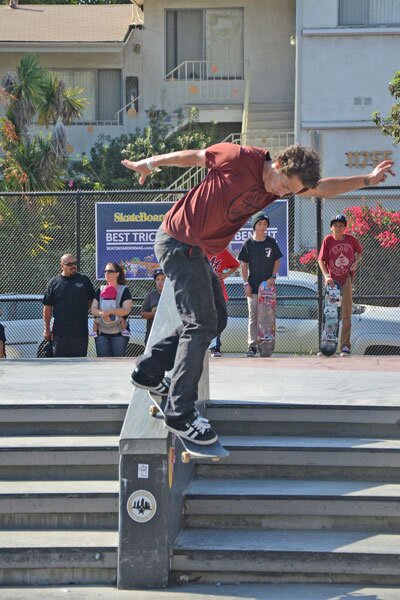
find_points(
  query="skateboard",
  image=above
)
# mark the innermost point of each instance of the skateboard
(331, 320)
(190, 450)
(266, 316)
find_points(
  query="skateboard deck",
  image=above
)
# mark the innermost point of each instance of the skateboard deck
(331, 320)
(190, 450)
(266, 317)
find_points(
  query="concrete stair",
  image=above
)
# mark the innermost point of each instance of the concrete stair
(59, 493)
(309, 494)
(271, 117)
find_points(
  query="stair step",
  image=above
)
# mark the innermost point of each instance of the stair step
(208, 592)
(296, 450)
(58, 496)
(55, 557)
(230, 555)
(294, 504)
(230, 418)
(61, 419)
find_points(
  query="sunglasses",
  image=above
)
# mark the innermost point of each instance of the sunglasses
(110, 271)
(70, 264)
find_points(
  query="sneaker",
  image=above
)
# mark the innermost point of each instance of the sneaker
(194, 428)
(216, 353)
(146, 382)
(251, 352)
(345, 351)
(125, 332)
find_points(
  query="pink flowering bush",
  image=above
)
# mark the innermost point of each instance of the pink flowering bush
(378, 231)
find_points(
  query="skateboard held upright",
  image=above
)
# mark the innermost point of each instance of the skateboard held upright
(331, 319)
(266, 317)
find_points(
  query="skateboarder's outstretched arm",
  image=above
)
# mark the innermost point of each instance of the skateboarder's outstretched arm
(182, 158)
(333, 186)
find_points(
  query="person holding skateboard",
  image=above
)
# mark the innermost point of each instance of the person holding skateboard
(241, 181)
(224, 265)
(259, 258)
(338, 259)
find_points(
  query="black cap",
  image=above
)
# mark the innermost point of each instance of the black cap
(339, 219)
(260, 216)
(157, 272)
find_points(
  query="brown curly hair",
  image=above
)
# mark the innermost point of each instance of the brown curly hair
(300, 161)
(121, 279)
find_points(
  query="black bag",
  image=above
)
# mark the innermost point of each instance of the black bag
(45, 350)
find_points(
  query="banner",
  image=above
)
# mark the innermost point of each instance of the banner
(126, 231)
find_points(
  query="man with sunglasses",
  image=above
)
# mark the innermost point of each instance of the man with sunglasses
(68, 297)
(239, 182)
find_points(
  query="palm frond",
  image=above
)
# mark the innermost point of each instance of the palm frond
(73, 104)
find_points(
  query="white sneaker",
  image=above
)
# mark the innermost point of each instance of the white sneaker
(345, 351)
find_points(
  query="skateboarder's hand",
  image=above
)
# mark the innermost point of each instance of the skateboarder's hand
(139, 166)
(381, 171)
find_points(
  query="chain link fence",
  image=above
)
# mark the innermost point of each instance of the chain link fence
(37, 229)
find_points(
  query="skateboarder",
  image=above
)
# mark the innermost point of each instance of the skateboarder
(338, 259)
(260, 258)
(240, 182)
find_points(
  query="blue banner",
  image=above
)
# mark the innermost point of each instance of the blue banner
(126, 231)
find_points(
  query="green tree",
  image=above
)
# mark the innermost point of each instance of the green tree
(103, 170)
(31, 95)
(390, 125)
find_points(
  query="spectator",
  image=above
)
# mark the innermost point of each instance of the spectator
(151, 301)
(111, 340)
(224, 265)
(67, 299)
(260, 258)
(338, 258)
(2, 342)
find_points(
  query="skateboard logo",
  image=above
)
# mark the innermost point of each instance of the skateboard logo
(141, 506)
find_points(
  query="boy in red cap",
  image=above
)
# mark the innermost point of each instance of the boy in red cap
(338, 258)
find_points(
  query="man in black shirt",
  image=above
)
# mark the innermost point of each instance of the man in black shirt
(151, 301)
(260, 257)
(68, 298)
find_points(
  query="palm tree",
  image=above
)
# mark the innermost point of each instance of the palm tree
(31, 95)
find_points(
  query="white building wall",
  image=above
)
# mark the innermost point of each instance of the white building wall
(268, 26)
(335, 65)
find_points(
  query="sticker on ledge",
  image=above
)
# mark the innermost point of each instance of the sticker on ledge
(141, 506)
(143, 471)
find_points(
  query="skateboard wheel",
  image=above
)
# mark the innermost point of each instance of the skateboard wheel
(215, 459)
(185, 456)
(154, 410)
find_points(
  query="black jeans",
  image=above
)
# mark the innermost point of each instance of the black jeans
(202, 308)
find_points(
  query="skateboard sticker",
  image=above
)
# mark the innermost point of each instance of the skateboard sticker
(143, 471)
(141, 506)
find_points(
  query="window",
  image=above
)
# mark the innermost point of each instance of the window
(369, 13)
(207, 38)
(296, 308)
(101, 88)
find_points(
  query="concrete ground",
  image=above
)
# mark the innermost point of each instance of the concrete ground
(209, 592)
(357, 380)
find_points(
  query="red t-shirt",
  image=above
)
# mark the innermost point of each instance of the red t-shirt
(222, 262)
(233, 190)
(339, 256)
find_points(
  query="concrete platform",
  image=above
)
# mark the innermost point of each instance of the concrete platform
(358, 380)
